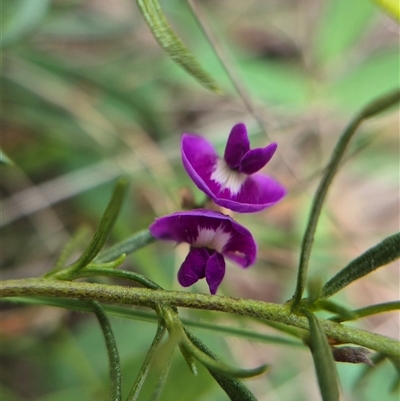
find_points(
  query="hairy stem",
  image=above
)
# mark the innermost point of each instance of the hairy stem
(153, 298)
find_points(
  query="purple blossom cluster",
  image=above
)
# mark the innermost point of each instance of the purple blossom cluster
(233, 182)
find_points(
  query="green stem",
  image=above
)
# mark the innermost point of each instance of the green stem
(129, 313)
(112, 350)
(89, 272)
(370, 110)
(153, 298)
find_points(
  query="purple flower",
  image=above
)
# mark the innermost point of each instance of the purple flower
(212, 236)
(232, 182)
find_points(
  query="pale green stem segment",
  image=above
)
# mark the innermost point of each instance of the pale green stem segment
(164, 355)
(379, 255)
(174, 324)
(144, 370)
(368, 311)
(112, 350)
(323, 360)
(233, 387)
(152, 298)
(370, 110)
(95, 271)
(172, 45)
(127, 246)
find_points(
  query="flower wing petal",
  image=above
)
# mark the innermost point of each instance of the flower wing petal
(199, 159)
(257, 193)
(185, 226)
(193, 267)
(215, 271)
(242, 248)
(255, 159)
(237, 146)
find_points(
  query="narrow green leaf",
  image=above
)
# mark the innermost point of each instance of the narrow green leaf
(68, 249)
(375, 107)
(144, 370)
(172, 45)
(189, 358)
(174, 323)
(112, 350)
(106, 225)
(377, 256)
(163, 359)
(323, 360)
(127, 246)
(125, 274)
(368, 311)
(233, 387)
(217, 366)
(108, 265)
(330, 306)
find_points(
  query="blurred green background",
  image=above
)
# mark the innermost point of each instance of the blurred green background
(87, 95)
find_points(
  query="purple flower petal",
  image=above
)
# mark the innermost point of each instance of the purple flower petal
(238, 188)
(255, 159)
(237, 146)
(194, 267)
(258, 192)
(212, 236)
(220, 232)
(215, 271)
(199, 159)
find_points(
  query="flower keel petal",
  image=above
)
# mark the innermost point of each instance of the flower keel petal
(194, 266)
(255, 159)
(215, 271)
(237, 146)
(199, 159)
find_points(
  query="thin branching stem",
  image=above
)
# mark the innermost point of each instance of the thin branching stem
(376, 107)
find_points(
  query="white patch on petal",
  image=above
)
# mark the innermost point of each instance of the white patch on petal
(228, 178)
(212, 239)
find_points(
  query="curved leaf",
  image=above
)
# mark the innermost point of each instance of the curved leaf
(323, 360)
(112, 350)
(233, 387)
(144, 370)
(367, 311)
(172, 45)
(377, 256)
(106, 225)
